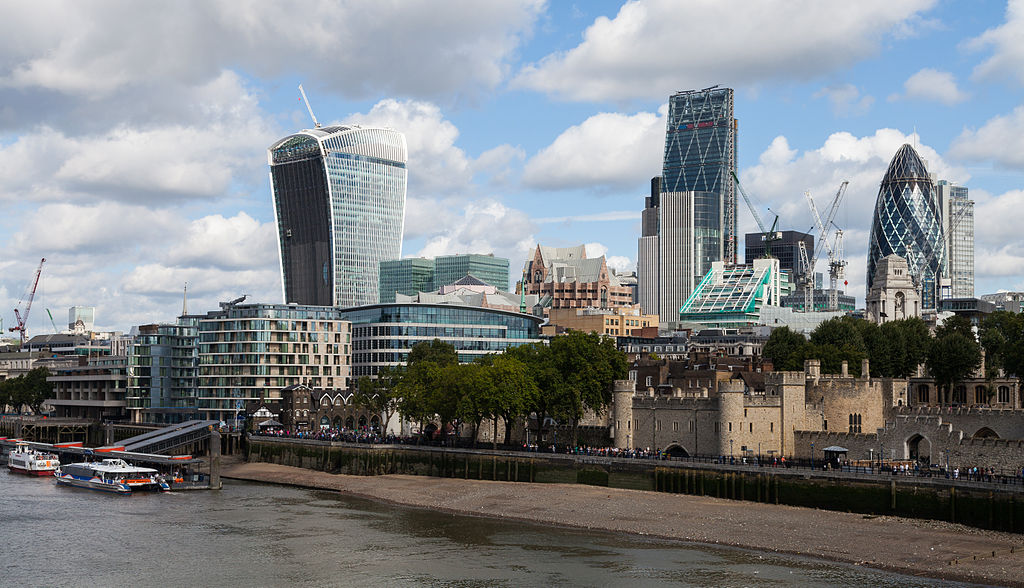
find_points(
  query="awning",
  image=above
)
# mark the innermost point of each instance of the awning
(836, 449)
(271, 423)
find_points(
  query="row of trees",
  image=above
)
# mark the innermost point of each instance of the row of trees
(560, 381)
(895, 349)
(29, 390)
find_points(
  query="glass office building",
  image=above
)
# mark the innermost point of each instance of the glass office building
(449, 269)
(383, 334)
(339, 203)
(405, 276)
(908, 223)
(700, 156)
(162, 372)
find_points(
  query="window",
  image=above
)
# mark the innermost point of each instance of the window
(751, 427)
(1004, 394)
(730, 427)
(980, 395)
(649, 379)
(771, 427)
(960, 395)
(922, 394)
(855, 424)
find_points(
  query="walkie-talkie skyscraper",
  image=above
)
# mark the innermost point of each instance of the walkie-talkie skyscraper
(339, 201)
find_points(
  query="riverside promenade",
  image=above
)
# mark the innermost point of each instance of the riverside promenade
(912, 546)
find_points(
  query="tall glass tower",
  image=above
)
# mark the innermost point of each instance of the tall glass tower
(700, 156)
(908, 222)
(339, 202)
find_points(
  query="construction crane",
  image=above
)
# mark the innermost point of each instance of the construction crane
(316, 123)
(28, 305)
(50, 314)
(836, 263)
(767, 235)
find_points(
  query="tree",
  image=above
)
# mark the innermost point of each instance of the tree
(380, 395)
(917, 340)
(31, 390)
(1002, 336)
(786, 348)
(539, 399)
(436, 351)
(6, 393)
(471, 387)
(953, 356)
(837, 340)
(510, 386)
(588, 364)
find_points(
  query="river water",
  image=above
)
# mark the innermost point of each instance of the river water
(252, 534)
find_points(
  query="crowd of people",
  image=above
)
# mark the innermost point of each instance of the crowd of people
(340, 435)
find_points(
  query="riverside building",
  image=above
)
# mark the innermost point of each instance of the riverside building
(163, 367)
(339, 203)
(419, 274)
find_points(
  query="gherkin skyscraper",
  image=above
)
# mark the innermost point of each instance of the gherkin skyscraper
(907, 222)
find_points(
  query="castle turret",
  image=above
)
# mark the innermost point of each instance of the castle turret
(622, 397)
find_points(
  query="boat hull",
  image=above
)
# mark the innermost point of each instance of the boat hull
(93, 484)
(28, 472)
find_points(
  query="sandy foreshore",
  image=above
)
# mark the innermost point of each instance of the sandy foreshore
(910, 546)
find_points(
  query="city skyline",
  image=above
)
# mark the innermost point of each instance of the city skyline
(139, 167)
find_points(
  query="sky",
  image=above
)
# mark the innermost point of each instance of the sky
(133, 135)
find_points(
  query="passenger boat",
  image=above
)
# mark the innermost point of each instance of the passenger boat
(111, 475)
(25, 460)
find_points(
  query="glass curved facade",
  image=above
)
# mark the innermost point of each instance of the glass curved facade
(907, 222)
(383, 334)
(339, 202)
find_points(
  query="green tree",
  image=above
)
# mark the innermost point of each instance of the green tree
(436, 351)
(1002, 337)
(917, 340)
(786, 348)
(539, 399)
(953, 356)
(510, 386)
(471, 386)
(380, 395)
(31, 389)
(955, 324)
(588, 364)
(837, 340)
(6, 393)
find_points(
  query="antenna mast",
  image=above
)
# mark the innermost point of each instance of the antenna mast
(184, 301)
(316, 124)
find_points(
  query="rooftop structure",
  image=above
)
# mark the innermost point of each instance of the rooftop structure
(733, 295)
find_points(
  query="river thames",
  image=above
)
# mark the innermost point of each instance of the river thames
(251, 534)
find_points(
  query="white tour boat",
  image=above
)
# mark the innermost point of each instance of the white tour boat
(25, 460)
(111, 475)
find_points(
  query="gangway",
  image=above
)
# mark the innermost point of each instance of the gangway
(169, 437)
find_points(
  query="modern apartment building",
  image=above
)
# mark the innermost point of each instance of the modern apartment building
(250, 352)
(908, 222)
(163, 369)
(94, 391)
(339, 201)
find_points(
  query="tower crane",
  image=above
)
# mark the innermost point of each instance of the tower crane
(28, 305)
(836, 263)
(767, 235)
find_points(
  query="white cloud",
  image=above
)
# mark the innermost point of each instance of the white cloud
(429, 48)
(654, 47)
(440, 167)
(783, 174)
(485, 226)
(1000, 139)
(1007, 59)
(611, 215)
(846, 99)
(239, 242)
(608, 150)
(70, 230)
(933, 85)
(156, 163)
(619, 263)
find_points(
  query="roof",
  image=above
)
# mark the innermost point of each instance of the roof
(469, 280)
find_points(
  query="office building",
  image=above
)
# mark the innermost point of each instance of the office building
(486, 268)
(94, 391)
(412, 275)
(908, 222)
(786, 249)
(383, 334)
(82, 319)
(733, 295)
(405, 276)
(958, 228)
(564, 277)
(339, 203)
(700, 156)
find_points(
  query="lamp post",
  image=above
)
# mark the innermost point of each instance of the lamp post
(730, 451)
(758, 454)
(812, 455)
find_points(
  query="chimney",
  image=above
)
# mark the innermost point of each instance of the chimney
(865, 371)
(846, 369)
